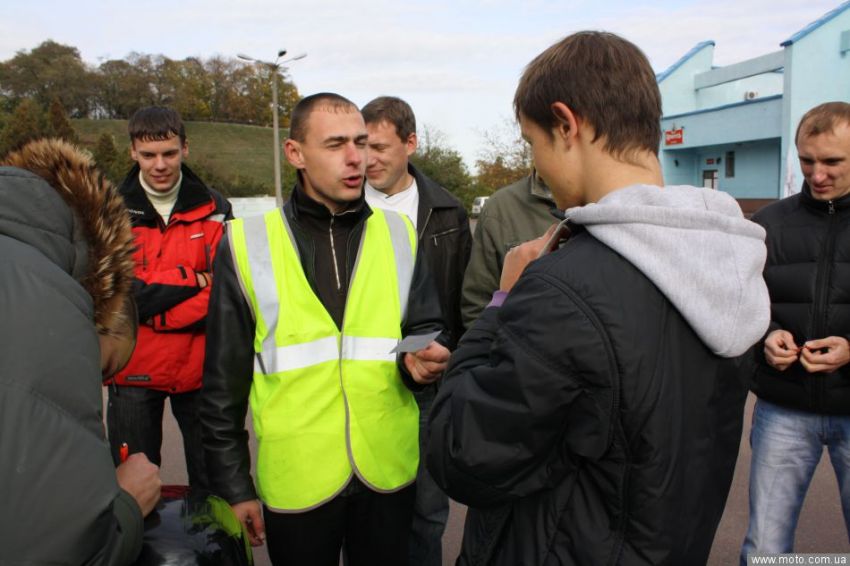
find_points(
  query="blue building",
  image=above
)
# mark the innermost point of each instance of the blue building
(732, 128)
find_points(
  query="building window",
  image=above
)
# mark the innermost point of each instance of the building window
(730, 164)
(709, 179)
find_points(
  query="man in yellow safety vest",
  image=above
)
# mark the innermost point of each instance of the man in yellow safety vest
(308, 312)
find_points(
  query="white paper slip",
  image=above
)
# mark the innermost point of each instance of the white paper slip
(415, 342)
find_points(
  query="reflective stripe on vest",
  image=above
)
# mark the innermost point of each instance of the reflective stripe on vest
(326, 403)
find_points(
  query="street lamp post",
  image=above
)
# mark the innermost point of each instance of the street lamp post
(274, 68)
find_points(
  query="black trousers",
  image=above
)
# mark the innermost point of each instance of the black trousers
(375, 528)
(134, 416)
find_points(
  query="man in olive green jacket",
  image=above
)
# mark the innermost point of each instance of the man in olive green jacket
(513, 214)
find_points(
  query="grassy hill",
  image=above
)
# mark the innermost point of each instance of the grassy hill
(234, 158)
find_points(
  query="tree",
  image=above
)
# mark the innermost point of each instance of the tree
(506, 158)
(50, 70)
(112, 162)
(26, 124)
(58, 123)
(124, 86)
(444, 165)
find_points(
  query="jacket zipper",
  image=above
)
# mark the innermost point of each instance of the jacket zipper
(333, 254)
(823, 276)
(444, 233)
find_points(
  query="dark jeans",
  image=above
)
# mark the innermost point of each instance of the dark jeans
(431, 510)
(374, 527)
(134, 416)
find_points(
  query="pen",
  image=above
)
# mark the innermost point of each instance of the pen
(124, 452)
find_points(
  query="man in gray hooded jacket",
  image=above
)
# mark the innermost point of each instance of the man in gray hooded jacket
(65, 271)
(592, 414)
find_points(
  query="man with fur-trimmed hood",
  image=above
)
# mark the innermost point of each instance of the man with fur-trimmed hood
(65, 272)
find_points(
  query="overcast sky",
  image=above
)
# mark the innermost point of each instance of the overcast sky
(455, 61)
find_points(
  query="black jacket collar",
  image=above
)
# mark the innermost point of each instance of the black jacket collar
(304, 207)
(431, 195)
(839, 204)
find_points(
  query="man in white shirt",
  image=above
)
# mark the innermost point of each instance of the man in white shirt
(441, 222)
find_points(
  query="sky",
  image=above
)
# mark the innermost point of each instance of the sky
(456, 62)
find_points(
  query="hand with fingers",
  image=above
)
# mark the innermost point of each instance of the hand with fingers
(825, 355)
(780, 351)
(251, 516)
(139, 477)
(427, 365)
(518, 258)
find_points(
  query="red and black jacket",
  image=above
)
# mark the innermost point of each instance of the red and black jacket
(169, 353)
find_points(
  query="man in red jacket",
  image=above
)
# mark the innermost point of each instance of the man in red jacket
(177, 222)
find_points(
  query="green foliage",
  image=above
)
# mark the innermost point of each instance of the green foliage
(444, 165)
(124, 86)
(58, 123)
(113, 163)
(27, 123)
(217, 89)
(50, 70)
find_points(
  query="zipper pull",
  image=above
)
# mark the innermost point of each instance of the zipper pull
(831, 207)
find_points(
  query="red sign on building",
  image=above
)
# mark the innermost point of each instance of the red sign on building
(674, 137)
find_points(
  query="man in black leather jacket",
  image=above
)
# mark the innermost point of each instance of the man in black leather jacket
(802, 372)
(327, 215)
(592, 414)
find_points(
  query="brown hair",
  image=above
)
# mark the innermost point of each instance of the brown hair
(822, 119)
(603, 79)
(394, 111)
(156, 123)
(302, 110)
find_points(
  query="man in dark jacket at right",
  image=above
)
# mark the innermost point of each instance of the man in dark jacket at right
(801, 378)
(593, 412)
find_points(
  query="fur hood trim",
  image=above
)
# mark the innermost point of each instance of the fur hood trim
(100, 210)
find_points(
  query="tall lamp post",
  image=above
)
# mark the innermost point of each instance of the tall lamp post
(274, 68)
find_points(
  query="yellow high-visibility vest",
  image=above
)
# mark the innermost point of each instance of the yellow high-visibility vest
(326, 403)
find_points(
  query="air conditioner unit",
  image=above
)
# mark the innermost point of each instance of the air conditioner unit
(750, 95)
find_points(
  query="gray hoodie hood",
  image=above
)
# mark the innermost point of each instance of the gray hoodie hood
(696, 246)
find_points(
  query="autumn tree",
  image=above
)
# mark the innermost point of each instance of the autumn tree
(215, 89)
(505, 158)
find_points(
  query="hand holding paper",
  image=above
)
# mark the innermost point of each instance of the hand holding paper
(427, 365)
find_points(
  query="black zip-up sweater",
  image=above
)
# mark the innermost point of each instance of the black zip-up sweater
(808, 276)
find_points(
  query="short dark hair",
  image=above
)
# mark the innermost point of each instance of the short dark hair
(822, 119)
(392, 110)
(302, 110)
(156, 123)
(603, 79)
